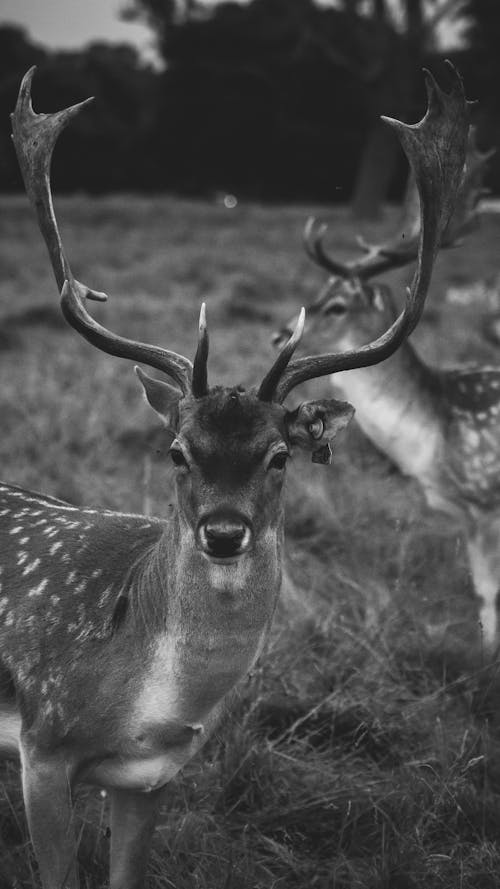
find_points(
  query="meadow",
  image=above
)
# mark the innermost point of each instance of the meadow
(364, 750)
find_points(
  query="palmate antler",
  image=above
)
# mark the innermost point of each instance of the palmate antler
(436, 150)
(35, 136)
(402, 248)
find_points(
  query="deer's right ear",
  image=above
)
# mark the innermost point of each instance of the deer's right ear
(163, 398)
(314, 424)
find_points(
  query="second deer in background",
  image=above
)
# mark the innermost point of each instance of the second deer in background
(440, 426)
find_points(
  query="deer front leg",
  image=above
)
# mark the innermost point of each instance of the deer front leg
(133, 819)
(49, 810)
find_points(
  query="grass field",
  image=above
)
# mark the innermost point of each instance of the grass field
(364, 751)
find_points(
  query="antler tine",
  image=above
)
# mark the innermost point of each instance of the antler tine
(314, 232)
(35, 136)
(267, 389)
(176, 366)
(378, 258)
(435, 148)
(200, 378)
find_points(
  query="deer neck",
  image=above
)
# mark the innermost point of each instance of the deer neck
(397, 408)
(205, 623)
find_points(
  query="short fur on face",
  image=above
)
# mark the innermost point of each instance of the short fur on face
(232, 428)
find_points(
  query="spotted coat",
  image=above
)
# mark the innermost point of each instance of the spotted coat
(57, 623)
(471, 405)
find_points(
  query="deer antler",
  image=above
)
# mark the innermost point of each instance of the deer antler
(402, 248)
(35, 136)
(200, 379)
(270, 382)
(394, 253)
(435, 149)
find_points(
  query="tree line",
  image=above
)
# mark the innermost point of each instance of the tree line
(273, 99)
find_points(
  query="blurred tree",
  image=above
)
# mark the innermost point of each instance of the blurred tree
(481, 69)
(247, 102)
(106, 147)
(274, 73)
(275, 99)
(485, 39)
(397, 39)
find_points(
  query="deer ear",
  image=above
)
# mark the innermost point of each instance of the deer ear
(314, 424)
(163, 398)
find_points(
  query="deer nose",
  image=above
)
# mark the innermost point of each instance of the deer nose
(281, 337)
(223, 537)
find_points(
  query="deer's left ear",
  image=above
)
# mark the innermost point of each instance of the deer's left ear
(314, 424)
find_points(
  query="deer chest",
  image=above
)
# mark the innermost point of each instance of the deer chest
(186, 678)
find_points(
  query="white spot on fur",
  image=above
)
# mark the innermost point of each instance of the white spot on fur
(31, 567)
(160, 695)
(38, 590)
(105, 596)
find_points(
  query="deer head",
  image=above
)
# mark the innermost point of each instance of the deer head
(230, 448)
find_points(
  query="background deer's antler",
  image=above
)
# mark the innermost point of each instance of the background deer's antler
(436, 150)
(402, 248)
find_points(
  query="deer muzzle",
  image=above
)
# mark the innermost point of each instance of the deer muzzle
(224, 535)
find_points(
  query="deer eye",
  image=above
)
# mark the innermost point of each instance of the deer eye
(178, 458)
(279, 460)
(336, 308)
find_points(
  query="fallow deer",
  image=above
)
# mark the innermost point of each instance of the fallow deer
(440, 426)
(122, 636)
